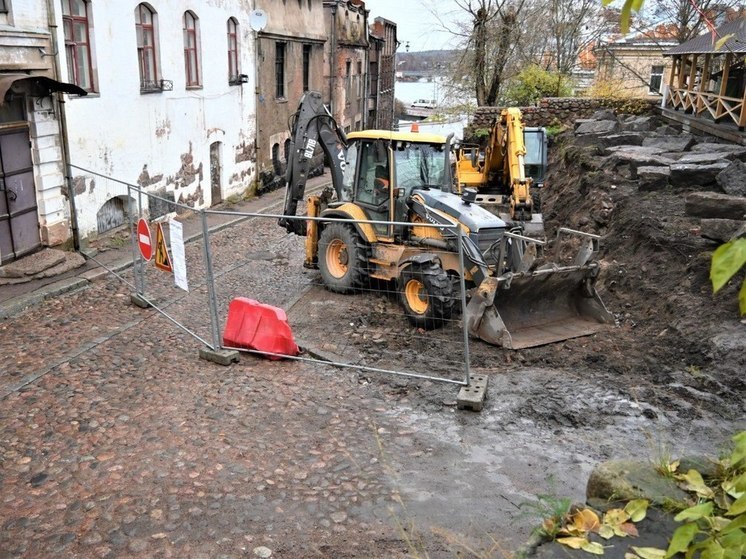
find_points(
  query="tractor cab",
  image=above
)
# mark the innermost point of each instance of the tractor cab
(383, 169)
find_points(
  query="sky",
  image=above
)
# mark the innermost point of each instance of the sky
(416, 23)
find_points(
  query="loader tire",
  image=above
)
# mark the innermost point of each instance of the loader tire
(427, 295)
(343, 258)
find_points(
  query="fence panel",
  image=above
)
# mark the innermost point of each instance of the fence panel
(367, 329)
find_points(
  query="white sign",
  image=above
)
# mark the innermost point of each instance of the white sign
(178, 254)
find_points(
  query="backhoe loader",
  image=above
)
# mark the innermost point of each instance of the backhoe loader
(510, 166)
(384, 181)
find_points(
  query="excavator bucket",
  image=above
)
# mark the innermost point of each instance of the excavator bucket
(537, 308)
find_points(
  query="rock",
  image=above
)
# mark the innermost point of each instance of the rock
(720, 230)
(667, 130)
(732, 179)
(613, 140)
(670, 143)
(624, 480)
(580, 121)
(734, 151)
(33, 264)
(636, 157)
(638, 124)
(653, 178)
(707, 157)
(339, 517)
(262, 552)
(604, 114)
(692, 175)
(715, 205)
(598, 127)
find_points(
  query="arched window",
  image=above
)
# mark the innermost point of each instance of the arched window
(233, 69)
(191, 49)
(76, 22)
(147, 47)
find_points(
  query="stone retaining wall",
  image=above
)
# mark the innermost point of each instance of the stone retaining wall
(552, 111)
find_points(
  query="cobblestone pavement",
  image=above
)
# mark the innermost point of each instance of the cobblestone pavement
(116, 441)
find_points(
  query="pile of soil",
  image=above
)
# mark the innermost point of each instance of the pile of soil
(670, 330)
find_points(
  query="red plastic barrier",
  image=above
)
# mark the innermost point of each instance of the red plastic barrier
(254, 325)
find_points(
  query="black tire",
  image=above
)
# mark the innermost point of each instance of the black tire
(427, 295)
(343, 258)
(536, 198)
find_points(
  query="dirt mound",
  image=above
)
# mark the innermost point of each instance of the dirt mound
(655, 279)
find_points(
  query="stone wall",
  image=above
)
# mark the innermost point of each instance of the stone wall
(552, 111)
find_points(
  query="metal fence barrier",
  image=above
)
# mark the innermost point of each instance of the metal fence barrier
(253, 257)
(366, 330)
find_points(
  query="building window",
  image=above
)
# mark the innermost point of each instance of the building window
(191, 50)
(306, 67)
(232, 50)
(656, 77)
(76, 25)
(348, 81)
(280, 70)
(359, 80)
(146, 48)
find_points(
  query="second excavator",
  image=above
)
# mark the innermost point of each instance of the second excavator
(507, 171)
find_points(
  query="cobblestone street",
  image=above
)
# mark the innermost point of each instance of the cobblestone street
(116, 441)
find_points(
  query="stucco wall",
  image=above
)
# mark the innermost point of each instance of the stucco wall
(162, 140)
(25, 45)
(629, 69)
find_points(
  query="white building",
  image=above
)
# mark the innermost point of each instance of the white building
(170, 103)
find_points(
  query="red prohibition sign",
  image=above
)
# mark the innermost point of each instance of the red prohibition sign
(144, 239)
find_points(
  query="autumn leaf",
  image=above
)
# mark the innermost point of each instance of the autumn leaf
(726, 261)
(574, 542)
(649, 552)
(606, 531)
(629, 529)
(693, 482)
(593, 547)
(615, 517)
(637, 509)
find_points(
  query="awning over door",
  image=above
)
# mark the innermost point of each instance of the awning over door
(35, 86)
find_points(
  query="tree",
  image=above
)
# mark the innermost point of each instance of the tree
(533, 83)
(490, 44)
(691, 18)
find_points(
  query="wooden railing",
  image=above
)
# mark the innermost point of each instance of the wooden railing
(717, 106)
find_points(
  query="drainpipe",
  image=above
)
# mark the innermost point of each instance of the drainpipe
(366, 65)
(332, 57)
(257, 94)
(52, 24)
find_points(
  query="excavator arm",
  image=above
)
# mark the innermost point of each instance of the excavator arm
(514, 172)
(312, 125)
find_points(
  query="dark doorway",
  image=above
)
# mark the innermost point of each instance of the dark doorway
(216, 173)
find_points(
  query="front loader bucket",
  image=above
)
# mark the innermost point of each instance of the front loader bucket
(538, 308)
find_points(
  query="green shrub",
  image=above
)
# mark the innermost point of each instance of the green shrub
(534, 83)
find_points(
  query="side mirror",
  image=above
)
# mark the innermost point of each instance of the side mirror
(399, 192)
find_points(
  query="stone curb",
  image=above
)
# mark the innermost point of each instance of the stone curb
(19, 304)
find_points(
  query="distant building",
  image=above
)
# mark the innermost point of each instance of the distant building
(290, 60)
(635, 63)
(346, 62)
(382, 74)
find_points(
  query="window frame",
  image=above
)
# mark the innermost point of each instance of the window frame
(280, 59)
(234, 70)
(191, 53)
(72, 46)
(658, 75)
(307, 51)
(4, 9)
(154, 84)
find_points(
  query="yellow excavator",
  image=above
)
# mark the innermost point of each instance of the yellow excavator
(387, 187)
(510, 166)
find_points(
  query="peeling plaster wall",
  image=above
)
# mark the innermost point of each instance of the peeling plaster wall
(162, 140)
(294, 24)
(349, 21)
